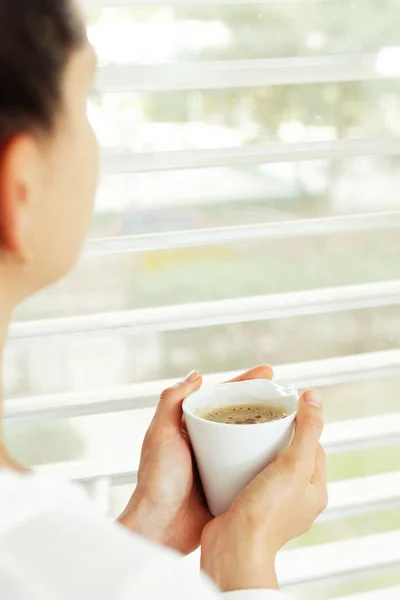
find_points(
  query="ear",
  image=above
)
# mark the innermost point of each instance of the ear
(18, 189)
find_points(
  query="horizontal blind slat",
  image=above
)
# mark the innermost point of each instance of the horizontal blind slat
(361, 496)
(316, 373)
(392, 593)
(239, 73)
(257, 154)
(218, 312)
(367, 432)
(340, 561)
(193, 238)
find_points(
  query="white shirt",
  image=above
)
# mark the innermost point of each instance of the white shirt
(54, 546)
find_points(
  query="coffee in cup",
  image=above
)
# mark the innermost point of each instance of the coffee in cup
(245, 414)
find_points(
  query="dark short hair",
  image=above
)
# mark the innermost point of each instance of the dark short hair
(36, 41)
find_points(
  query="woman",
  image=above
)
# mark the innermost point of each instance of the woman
(52, 544)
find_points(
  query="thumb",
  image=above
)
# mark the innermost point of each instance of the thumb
(169, 409)
(309, 426)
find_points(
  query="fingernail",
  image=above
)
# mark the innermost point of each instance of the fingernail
(314, 398)
(193, 375)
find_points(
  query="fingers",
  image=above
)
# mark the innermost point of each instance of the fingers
(169, 409)
(260, 372)
(309, 426)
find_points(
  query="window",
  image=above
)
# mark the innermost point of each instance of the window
(248, 212)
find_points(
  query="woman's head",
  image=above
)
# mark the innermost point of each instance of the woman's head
(48, 153)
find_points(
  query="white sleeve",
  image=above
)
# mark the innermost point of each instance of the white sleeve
(59, 549)
(79, 556)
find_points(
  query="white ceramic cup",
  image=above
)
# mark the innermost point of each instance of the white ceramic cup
(230, 456)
